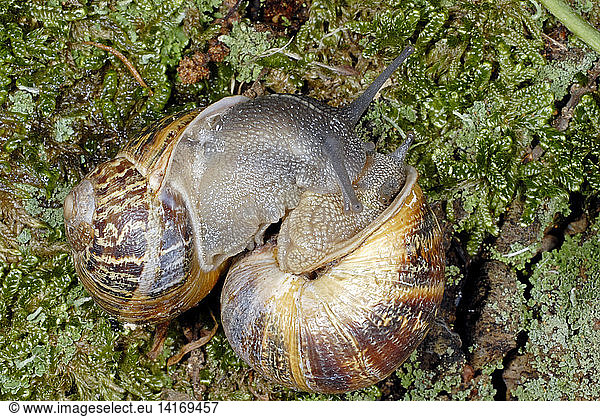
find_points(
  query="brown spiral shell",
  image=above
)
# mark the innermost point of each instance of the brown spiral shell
(131, 238)
(350, 323)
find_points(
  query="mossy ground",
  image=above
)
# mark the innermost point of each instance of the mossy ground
(504, 105)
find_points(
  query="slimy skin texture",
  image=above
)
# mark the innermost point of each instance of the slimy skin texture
(241, 164)
(319, 226)
(242, 170)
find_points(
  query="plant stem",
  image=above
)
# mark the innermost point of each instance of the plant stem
(575, 23)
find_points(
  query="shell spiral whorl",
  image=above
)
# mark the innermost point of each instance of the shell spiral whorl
(132, 242)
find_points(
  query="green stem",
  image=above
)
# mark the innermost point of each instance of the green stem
(575, 23)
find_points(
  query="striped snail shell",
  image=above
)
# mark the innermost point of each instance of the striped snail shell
(151, 230)
(354, 316)
(132, 244)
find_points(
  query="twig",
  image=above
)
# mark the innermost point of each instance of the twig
(555, 42)
(195, 344)
(339, 70)
(577, 92)
(159, 340)
(125, 61)
(574, 22)
(274, 51)
(333, 32)
(233, 9)
(510, 255)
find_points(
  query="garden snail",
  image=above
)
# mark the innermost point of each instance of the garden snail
(152, 230)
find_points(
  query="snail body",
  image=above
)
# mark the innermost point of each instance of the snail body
(319, 228)
(159, 221)
(151, 229)
(242, 169)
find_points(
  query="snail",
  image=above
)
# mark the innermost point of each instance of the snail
(132, 244)
(354, 319)
(152, 230)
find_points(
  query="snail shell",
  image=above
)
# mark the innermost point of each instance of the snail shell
(151, 229)
(353, 282)
(354, 320)
(133, 246)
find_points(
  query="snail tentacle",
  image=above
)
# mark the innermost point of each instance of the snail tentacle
(355, 110)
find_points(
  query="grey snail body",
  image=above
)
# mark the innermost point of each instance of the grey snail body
(152, 230)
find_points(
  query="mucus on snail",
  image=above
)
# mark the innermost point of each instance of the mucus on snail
(335, 302)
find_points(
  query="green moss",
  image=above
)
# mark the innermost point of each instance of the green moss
(561, 74)
(246, 46)
(564, 329)
(50, 343)
(24, 237)
(21, 102)
(478, 92)
(518, 256)
(453, 275)
(56, 344)
(444, 381)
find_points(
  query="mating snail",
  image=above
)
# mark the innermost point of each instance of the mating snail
(336, 301)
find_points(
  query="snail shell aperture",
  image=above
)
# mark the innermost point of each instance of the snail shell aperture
(335, 302)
